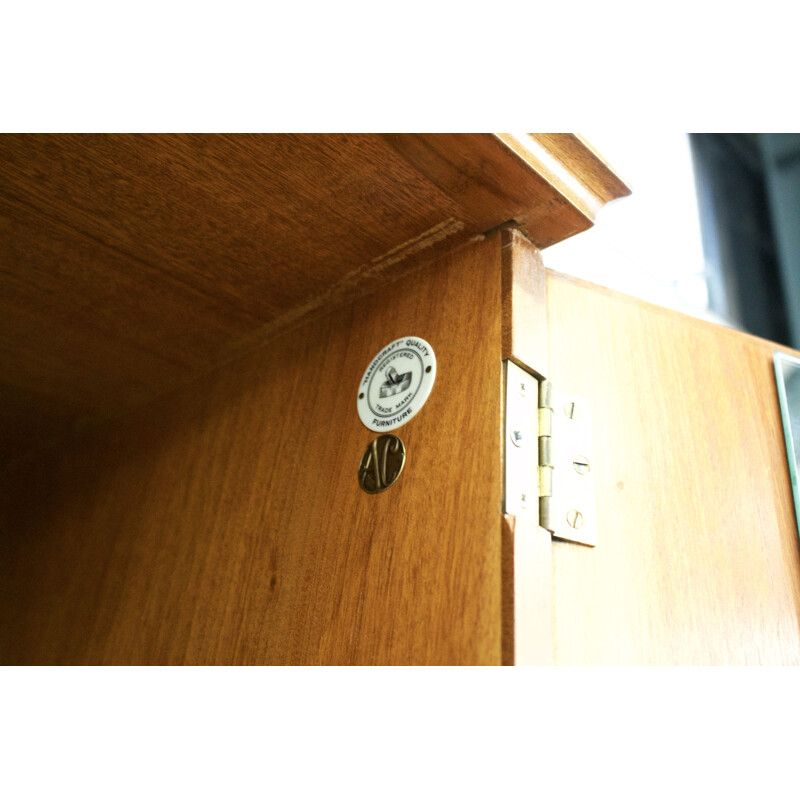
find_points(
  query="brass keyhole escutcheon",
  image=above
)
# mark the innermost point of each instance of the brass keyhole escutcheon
(381, 464)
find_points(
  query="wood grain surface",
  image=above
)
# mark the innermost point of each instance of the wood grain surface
(524, 304)
(697, 559)
(552, 185)
(527, 593)
(571, 165)
(223, 524)
(527, 560)
(131, 264)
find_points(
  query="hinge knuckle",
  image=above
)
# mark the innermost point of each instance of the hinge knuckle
(546, 481)
(545, 520)
(545, 394)
(546, 451)
(545, 421)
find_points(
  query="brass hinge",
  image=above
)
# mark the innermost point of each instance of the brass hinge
(559, 468)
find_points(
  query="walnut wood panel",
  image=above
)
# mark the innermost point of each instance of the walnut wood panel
(552, 185)
(130, 264)
(527, 593)
(527, 561)
(697, 558)
(224, 524)
(524, 304)
(86, 330)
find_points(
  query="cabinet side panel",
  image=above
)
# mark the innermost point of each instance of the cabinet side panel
(224, 524)
(697, 558)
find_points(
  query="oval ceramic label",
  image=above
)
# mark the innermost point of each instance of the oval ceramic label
(396, 384)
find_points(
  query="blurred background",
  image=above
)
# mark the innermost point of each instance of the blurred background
(712, 228)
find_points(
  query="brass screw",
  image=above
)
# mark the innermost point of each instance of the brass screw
(575, 519)
(581, 464)
(572, 410)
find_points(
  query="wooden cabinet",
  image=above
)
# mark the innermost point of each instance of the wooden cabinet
(186, 320)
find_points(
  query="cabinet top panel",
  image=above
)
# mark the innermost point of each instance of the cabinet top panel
(131, 263)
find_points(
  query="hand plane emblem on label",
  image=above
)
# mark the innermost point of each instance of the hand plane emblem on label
(395, 383)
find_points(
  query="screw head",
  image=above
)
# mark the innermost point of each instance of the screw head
(523, 500)
(581, 465)
(523, 388)
(572, 410)
(574, 519)
(516, 438)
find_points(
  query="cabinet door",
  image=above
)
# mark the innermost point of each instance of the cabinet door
(697, 548)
